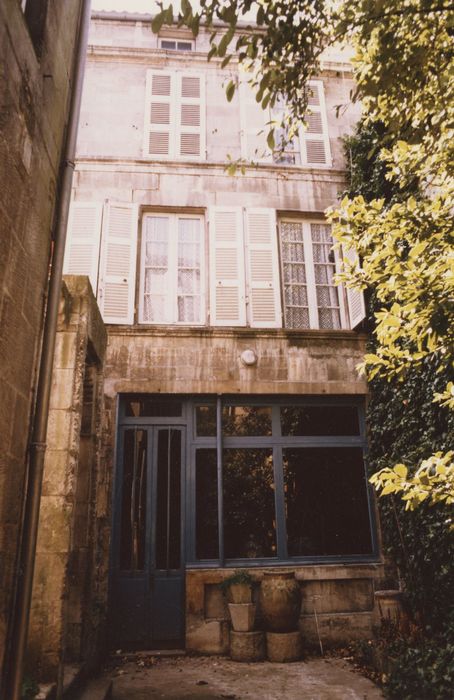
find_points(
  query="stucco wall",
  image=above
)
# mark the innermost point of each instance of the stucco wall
(34, 94)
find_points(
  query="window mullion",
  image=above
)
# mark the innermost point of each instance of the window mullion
(310, 276)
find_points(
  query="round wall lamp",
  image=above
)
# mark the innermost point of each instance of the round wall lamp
(248, 358)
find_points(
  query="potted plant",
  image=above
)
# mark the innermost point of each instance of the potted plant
(238, 588)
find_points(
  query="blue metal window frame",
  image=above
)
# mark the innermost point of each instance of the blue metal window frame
(275, 441)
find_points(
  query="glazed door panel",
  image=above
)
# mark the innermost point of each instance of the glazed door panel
(147, 601)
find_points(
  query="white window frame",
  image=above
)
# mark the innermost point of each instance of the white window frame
(177, 41)
(173, 268)
(313, 308)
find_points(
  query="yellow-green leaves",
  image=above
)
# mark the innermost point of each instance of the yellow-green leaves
(433, 481)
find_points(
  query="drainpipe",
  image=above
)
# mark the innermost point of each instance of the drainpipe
(21, 615)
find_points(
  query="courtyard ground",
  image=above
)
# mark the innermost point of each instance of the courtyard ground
(146, 677)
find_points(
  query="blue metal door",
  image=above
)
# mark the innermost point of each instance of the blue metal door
(147, 601)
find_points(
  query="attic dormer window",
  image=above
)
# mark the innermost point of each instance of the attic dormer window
(174, 45)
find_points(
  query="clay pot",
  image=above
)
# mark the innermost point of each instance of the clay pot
(242, 616)
(280, 601)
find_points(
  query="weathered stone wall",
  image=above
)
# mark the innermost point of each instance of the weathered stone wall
(209, 361)
(35, 84)
(341, 597)
(69, 589)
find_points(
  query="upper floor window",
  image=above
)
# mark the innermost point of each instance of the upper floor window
(176, 45)
(174, 115)
(311, 299)
(309, 146)
(171, 287)
(259, 275)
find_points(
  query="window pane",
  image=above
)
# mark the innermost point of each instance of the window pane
(184, 46)
(246, 420)
(206, 421)
(168, 513)
(294, 274)
(249, 519)
(319, 420)
(169, 45)
(206, 505)
(157, 275)
(324, 269)
(154, 408)
(133, 500)
(326, 502)
(189, 272)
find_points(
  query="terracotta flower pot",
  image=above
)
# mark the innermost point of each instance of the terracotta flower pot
(280, 602)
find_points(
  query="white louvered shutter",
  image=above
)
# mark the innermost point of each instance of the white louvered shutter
(254, 126)
(355, 297)
(315, 148)
(118, 263)
(227, 289)
(190, 119)
(83, 239)
(159, 133)
(262, 269)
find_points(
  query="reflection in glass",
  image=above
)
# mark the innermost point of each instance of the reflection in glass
(319, 420)
(246, 420)
(146, 407)
(133, 501)
(326, 502)
(168, 501)
(206, 420)
(206, 505)
(249, 517)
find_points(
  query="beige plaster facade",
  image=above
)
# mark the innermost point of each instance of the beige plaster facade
(36, 67)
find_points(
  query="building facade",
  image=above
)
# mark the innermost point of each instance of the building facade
(37, 49)
(233, 412)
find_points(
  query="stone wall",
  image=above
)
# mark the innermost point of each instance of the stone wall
(338, 599)
(209, 361)
(71, 573)
(36, 63)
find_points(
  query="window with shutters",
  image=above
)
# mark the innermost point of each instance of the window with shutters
(308, 147)
(308, 264)
(174, 116)
(172, 281)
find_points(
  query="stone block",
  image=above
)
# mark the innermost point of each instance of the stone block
(207, 637)
(282, 647)
(350, 595)
(247, 646)
(336, 629)
(215, 605)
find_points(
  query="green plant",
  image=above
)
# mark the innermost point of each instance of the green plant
(239, 576)
(30, 688)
